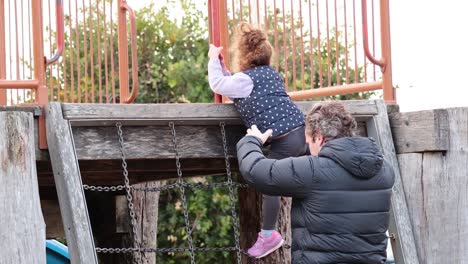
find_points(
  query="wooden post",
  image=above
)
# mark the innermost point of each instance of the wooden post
(22, 228)
(69, 187)
(146, 212)
(250, 220)
(435, 181)
(403, 244)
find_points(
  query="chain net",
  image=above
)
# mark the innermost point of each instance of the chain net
(181, 186)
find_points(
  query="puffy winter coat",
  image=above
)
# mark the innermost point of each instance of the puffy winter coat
(341, 198)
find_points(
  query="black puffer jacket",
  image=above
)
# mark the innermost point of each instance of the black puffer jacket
(341, 199)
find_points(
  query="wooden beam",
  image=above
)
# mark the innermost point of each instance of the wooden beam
(154, 142)
(22, 228)
(420, 131)
(68, 182)
(208, 113)
(53, 219)
(34, 109)
(404, 246)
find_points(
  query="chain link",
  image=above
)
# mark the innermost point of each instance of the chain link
(164, 250)
(180, 180)
(128, 188)
(235, 219)
(103, 188)
(164, 188)
(181, 185)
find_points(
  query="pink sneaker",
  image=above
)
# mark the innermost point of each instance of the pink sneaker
(265, 246)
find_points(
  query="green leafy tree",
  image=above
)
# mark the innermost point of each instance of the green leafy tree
(173, 55)
(209, 214)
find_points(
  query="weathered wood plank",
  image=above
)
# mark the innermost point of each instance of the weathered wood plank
(34, 109)
(68, 182)
(146, 212)
(154, 142)
(435, 184)
(41, 154)
(404, 247)
(168, 112)
(420, 131)
(53, 219)
(22, 228)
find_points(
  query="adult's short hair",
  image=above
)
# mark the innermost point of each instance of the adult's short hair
(331, 119)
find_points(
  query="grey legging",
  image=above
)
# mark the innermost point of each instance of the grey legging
(291, 145)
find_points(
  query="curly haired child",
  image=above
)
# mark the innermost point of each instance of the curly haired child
(260, 97)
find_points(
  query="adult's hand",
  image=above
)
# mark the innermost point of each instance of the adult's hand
(253, 131)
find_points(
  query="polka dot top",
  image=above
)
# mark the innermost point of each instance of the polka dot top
(268, 105)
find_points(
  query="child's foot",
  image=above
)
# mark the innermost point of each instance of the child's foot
(265, 246)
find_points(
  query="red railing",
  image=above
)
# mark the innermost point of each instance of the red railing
(55, 51)
(320, 46)
(68, 47)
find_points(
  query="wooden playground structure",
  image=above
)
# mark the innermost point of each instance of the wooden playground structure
(85, 169)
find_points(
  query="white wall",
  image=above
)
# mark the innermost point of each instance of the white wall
(430, 53)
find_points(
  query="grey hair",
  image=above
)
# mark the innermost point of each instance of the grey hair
(330, 119)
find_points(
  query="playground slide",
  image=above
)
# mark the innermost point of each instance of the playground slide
(56, 252)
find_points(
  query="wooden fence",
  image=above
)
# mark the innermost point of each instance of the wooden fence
(432, 151)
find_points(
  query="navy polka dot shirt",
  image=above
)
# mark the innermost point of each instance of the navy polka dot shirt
(269, 106)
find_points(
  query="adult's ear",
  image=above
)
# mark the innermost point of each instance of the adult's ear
(320, 139)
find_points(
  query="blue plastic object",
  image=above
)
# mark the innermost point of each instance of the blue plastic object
(56, 252)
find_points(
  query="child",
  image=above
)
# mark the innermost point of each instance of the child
(259, 96)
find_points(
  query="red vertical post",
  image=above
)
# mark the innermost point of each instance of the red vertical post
(39, 66)
(218, 30)
(3, 98)
(388, 90)
(123, 51)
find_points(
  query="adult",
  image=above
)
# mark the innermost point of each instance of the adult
(341, 193)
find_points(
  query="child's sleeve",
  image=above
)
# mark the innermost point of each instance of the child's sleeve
(222, 82)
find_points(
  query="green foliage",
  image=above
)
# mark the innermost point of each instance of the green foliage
(209, 213)
(172, 55)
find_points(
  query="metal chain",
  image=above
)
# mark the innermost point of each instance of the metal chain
(181, 184)
(235, 219)
(164, 188)
(164, 250)
(128, 187)
(103, 189)
(180, 181)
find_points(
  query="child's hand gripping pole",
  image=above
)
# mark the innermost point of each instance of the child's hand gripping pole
(215, 52)
(221, 60)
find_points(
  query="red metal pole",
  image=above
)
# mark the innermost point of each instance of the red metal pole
(134, 92)
(335, 90)
(123, 51)
(388, 90)
(39, 67)
(3, 98)
(217, 17)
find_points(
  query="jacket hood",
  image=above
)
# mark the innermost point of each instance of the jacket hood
(358, 155)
